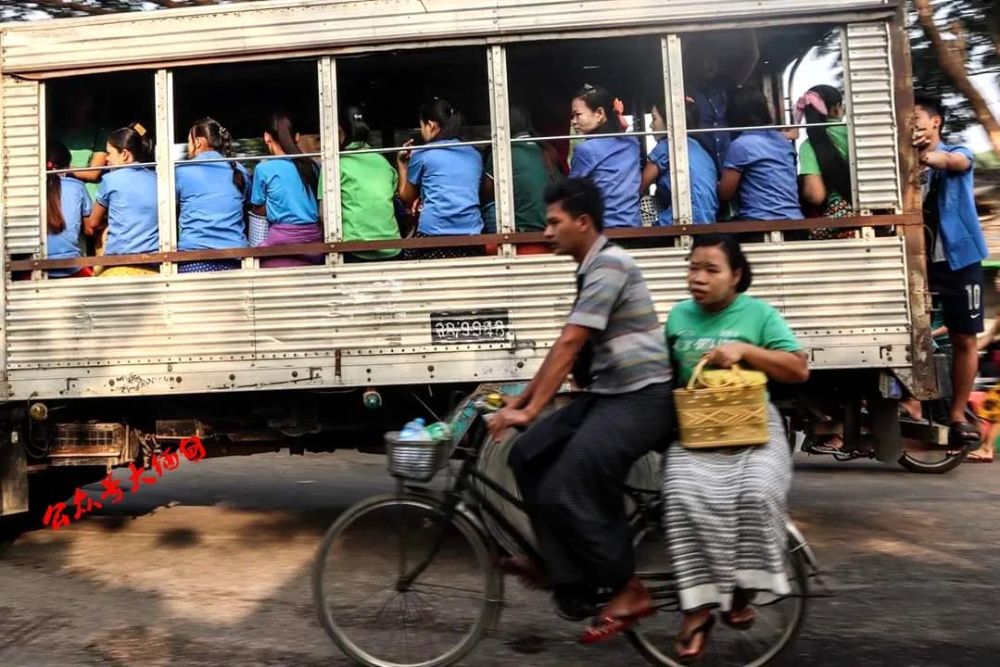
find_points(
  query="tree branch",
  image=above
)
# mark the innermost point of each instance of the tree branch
(74, 6)
(952, 61)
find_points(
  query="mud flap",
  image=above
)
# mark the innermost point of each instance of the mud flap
(885, 429)
(13, 476)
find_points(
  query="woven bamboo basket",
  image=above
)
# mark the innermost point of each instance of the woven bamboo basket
(723, 408)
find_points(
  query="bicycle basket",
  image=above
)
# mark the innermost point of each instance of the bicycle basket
(416, 460)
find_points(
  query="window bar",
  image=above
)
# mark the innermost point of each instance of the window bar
(43, 240)
(673, 86)
(333, 224)
(852, 157)
(503, 188)
(166, 199)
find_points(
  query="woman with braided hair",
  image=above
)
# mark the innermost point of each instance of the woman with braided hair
(212, 198)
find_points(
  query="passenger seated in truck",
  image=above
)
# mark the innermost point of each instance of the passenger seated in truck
(824, 171)
(759, 167)
(67, 205)
(126, 200)
(284, 191)
(443, 181)
(368, 184)
(612, 162)
(704, 198)
(212, 198)
(534, 166)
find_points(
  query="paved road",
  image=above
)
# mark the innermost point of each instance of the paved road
(210, 566)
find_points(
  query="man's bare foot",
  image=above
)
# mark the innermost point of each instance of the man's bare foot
(914, 410)
(633, 599)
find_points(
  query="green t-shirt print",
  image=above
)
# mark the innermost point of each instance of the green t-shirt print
(692, 331)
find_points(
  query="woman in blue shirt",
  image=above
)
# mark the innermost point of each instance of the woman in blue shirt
(284, 190)
(760, 164)
(126, 200)
(611, 162)
(704, 200)
(212, 198)
(68, 203)
(445, 180)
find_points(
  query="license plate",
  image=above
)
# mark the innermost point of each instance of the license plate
(469, 326)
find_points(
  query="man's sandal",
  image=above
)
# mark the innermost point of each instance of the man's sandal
(685, 641)
(965, 435)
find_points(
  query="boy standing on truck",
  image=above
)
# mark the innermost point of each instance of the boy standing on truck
(955, 251)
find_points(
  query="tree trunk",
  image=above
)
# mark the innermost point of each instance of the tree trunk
(952, 60)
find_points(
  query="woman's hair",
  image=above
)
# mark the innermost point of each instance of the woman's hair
(734, 254)
(690, 113)
(747, 107)
(448, 118)
(135, 139)
(520, 121)
(282, 131)
(220, 141)
(596, 97)
(578, 197)
(56, 157)
(834, 169)
(354, 125)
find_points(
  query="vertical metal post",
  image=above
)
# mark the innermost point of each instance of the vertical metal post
(852, 153)
(503, 170)
(166, 199)
(43, 237)
(333, 224)
(5, 277)
(673, 85)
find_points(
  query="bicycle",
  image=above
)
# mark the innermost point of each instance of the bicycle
(426, 557)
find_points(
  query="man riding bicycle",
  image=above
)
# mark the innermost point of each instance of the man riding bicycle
(571, 464)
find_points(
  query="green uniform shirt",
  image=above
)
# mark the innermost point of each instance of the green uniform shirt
(82, 145)
(367, 185)
(692, 331)
(809, 164)
(530, 179)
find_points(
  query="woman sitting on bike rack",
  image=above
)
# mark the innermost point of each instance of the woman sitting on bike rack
(726, 507)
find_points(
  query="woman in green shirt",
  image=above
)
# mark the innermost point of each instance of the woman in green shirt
(726, 507)
(367, 187)
(824, 171)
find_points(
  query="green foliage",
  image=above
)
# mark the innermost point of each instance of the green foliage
(980, 28)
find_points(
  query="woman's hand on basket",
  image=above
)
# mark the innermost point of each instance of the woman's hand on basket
(726, 355)
(506, 418)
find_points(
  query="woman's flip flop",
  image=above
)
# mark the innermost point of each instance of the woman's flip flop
(683, 642)
(606, 627)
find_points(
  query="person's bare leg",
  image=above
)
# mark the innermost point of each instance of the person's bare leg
(690, 641)
(965, 365)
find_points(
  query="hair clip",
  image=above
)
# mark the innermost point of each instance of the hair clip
(588, 87)
(138, 127)
(50, 166)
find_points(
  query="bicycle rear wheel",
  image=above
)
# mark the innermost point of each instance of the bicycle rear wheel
(377, 618)
(776, 626)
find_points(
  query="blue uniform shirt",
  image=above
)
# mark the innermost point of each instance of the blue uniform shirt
(704, 195)
(278, 187)
(130, 196)
(613, 164)
(769, 188)
(75, 204)
(960, 230)
(210, 205)
(449, 180)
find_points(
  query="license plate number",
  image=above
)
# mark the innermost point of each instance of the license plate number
(469, 326)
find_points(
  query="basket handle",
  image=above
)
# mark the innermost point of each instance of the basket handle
(701, 367)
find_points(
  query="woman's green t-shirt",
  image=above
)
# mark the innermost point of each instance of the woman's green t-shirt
(692, 331)
(809, 163)
(367, 186)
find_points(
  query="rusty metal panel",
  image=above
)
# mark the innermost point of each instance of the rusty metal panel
(869, 83)
(22, 164)
(370, 324)
(291, 25)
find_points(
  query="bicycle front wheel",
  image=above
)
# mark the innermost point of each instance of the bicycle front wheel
(397, 583)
